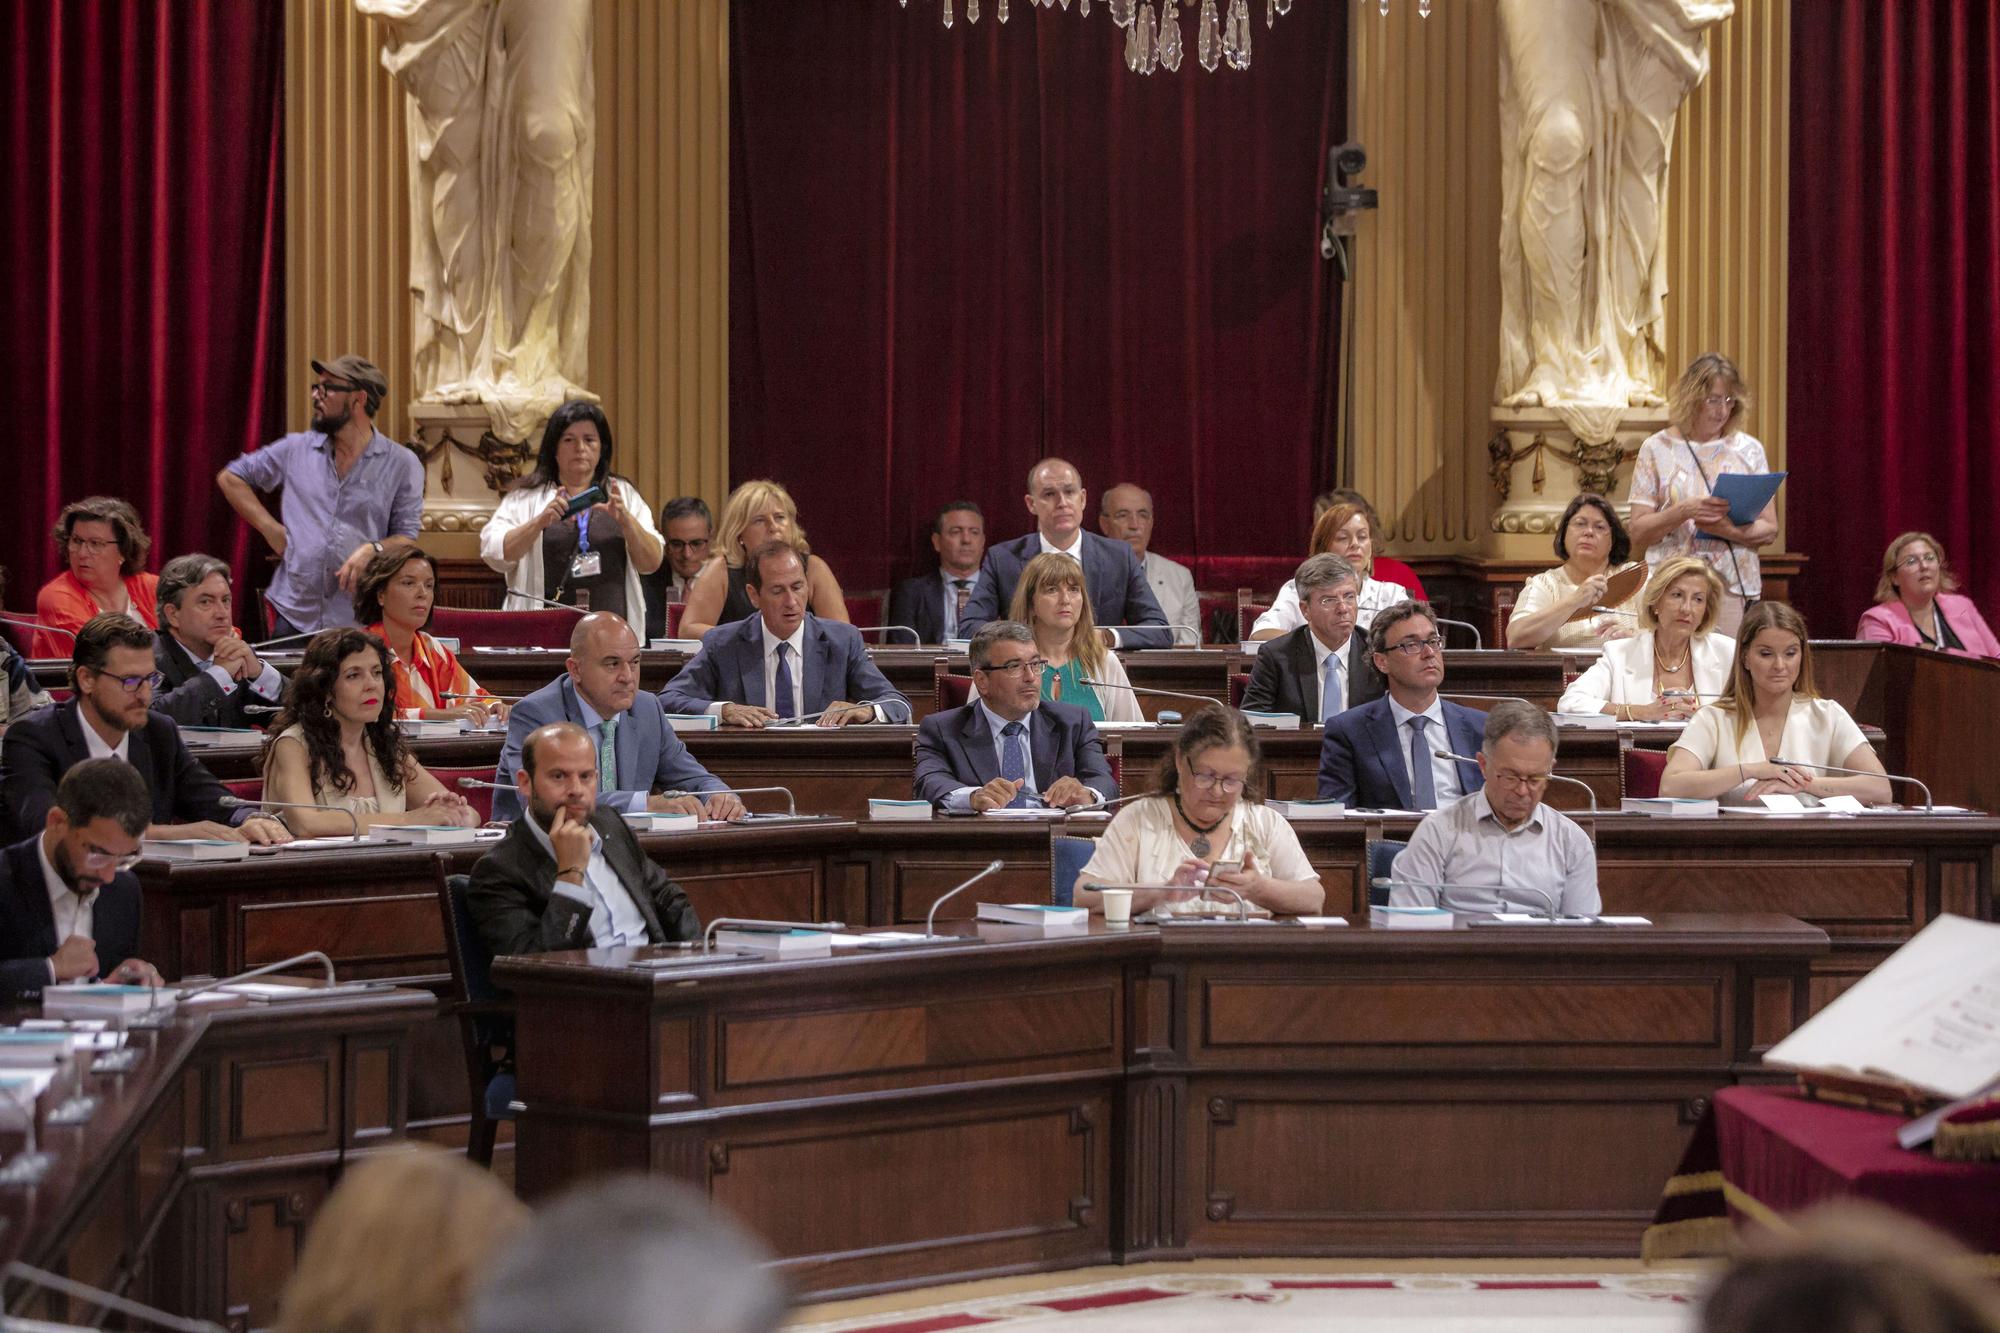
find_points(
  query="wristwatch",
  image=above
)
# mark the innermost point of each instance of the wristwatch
(377, 546)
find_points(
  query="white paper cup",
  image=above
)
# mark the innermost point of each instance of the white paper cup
(1117, 906)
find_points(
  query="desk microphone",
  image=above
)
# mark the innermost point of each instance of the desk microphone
(930, 921)
(915, 637)
(1478, 644)
(1614, 611)
(1499, 892)
(481, 695)
(1491, 698)
(26, 623)
(1553, 777)
(1203, 890)
(289, 638)
(1861, 773)
(1202, 699)
(94, 1298)
(708, 936)
(545, 601)
(1192, 629)
(238, 802)
(1120, 800)
(263, 710)
(791, 803)
(480, 784)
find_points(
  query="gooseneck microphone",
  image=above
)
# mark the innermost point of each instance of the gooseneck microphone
(791, 803)
(930, 921)
(708, 935)
(1499, 892)
(26, 623)
(236, 802)
(1553, 777)
(1203, 890)
(915, 637)
(1202, 699)
(547, 601)
(1478, 644)
(1861, 773)
(1119, 800)
(288, 638)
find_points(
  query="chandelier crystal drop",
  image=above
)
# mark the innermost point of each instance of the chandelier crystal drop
(1153, 36)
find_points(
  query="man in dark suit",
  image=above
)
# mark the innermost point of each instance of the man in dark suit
(1121, 601)
(1382, 755)
(933, 604)
(569, 874)
(212, 675)
(783, 662)
(1008, 744)
(69, 905)
(1325, 666)
(639, 758)
(685, 526)
(112, 677)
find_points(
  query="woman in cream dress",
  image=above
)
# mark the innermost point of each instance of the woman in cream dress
(1211, 814)
(1674, 664)
(1772, 710)
(1592, 545)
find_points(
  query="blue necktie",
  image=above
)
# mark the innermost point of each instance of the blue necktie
(1014, 761)
(1422, 786)
(1329, 687)
(783, 705)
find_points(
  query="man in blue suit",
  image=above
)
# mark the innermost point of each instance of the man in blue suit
(783, 663)
(638, 756)
(1121, 601)
(1008, 746)
(1381, 754)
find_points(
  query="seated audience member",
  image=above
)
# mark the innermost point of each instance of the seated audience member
(1128, 617)
(69, 905)
(598, 559)
(756, 514)
(1208, 827)
(1323, 667)
(20, 693)
(639, 758)
(1345, 531)
(337, 744)
(570, 875)
(1674, 664)
(783, 661)
(401, 1244)
(1592, 545)
(1385, 567)
(394, 599)
(933, 604)
(1500, 848)
(1382, 754)
(1917, 605)
(1125, 514)
(1007, 746)
(634, 1254)
(212, 676)
(686, 527)
(103, 548)
(1050, 600)
(112, 679)
(1772, 710)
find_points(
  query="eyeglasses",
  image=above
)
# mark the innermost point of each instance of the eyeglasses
(1719, 400)
(1210, 781)
(1328, 601)
(322, 389)
(1917, 561)
(1508, 778)
(682, 544)
(1016, 667)
(1588, 528)
(92, 545)
(1412, 647)
(95, 855)
(152, 680)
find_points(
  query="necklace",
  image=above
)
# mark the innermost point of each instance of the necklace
(1662, 664)
(1200, 845)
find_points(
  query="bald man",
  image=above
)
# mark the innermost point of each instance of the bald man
(1125, 514)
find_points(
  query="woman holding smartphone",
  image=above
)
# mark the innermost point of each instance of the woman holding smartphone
(570, 530)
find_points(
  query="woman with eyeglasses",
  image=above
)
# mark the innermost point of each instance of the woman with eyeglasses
(1208, 827)
(1916, 604)
(1051, 600)
(1675, 510)
(1674, 664)
(103, 546)
(1592, 545)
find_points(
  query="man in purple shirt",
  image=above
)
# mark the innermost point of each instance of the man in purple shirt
(350, 493)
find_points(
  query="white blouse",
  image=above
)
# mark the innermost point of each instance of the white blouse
(1624, 674)
(1666, 473)
(1552, 586)
(1142, 846)
(525, 575)
(1287, 615)
(1817, 731)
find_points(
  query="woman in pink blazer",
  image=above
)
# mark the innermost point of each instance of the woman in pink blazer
(1915, 604)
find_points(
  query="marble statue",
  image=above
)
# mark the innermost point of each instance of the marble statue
(1589, 92)
(501, 127)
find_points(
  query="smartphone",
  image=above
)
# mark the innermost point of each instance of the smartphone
(583, 500)
(1225, 868)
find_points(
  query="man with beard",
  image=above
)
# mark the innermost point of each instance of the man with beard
(69, 905)
(569, 875)
(350, 493)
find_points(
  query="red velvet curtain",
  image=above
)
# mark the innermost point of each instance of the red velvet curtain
(142, 233)
(954, 251)
(1894, 391)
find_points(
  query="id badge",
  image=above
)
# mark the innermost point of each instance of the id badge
(587, 566)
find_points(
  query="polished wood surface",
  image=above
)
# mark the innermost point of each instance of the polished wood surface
(1937, 710)
(1032, 1103)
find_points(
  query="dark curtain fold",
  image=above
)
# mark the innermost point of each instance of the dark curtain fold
(1893, 393)
(143, 231)
(952, 252)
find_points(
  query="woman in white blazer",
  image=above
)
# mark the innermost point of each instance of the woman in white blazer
(595, 559)
(1674, 665)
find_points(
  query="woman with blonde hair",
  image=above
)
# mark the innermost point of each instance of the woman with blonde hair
(1771, 712)
(1674, 664)
(1051, 600)
(400, 1246)
(756, 512)
(1348, 531)
(1917, 603)
(1675, 510)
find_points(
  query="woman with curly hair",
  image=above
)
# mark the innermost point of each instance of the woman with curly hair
(103, 548)
(337, 743)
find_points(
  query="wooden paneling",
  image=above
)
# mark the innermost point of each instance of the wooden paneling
(1265, 1014)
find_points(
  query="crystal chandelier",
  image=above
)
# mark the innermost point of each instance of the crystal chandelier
(1153, 37)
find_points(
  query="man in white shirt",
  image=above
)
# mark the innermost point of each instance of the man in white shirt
(1125, 514)
(213, 677)
(1500, 848)
(1382, 755)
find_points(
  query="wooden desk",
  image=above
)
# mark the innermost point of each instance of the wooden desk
(1937, 709)
(1021, 1104)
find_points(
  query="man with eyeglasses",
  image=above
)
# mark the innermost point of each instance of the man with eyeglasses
(110, 716)
(686, 526)
(1501, 849)
(1325, 666)
(1008, 747)
(350, 493)
(1121, 601)
(69, 906)
(1383, 754)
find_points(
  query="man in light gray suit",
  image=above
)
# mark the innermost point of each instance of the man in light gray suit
(639, 757)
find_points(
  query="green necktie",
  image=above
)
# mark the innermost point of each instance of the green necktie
(607, 755)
